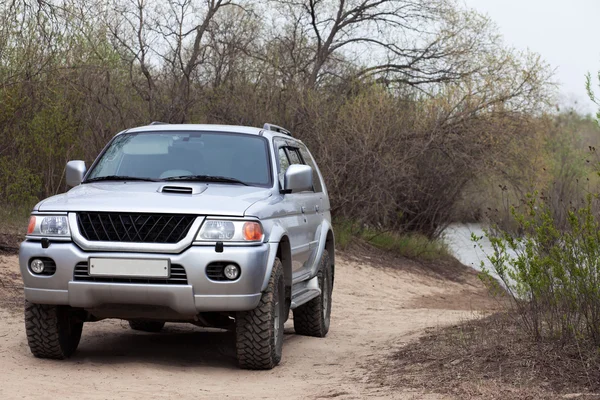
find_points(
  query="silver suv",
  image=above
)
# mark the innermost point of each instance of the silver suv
(219, 226)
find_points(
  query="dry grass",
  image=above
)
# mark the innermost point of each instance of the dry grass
(492, 358)
(444, 268)
(410, 245)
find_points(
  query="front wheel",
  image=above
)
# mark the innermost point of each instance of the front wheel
(52, 331)
(313, 318)
(259, 332)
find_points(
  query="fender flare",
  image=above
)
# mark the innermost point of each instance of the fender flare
(277, 233)
(325, 228)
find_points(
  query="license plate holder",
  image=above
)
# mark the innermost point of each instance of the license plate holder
(129, 267)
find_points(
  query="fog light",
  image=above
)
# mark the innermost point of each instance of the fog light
(231, 271)
(37, 266)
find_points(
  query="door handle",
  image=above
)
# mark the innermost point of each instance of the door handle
(303, 209)
(317, 208)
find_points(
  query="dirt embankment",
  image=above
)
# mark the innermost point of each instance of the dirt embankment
(379, 305)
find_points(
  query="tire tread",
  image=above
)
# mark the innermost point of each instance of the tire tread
(46, 335)
(308, 318)
(254, 329)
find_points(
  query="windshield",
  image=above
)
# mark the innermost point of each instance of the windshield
(199, 156)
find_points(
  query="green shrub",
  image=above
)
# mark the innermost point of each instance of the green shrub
(345, 231)
(552, 271)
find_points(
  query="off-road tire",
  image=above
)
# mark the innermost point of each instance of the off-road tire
(258, 344)
(52, 331)
(147, 326)
(313, 318)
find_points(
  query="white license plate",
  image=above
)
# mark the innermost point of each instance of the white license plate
(129, 267)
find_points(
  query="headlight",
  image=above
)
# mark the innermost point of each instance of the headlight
(48, 225)
(216, 230)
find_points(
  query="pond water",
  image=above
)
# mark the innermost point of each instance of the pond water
(458, 239)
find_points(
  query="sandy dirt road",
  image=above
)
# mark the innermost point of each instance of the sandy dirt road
(376, 308)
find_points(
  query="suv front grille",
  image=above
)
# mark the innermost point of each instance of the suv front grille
(178, 277)
(139, 228)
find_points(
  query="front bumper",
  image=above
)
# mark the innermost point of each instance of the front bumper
(199, 295)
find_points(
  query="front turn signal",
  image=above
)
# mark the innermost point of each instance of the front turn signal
(252, 231)
(31, 226)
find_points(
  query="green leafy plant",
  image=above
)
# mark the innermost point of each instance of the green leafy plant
(551, 273)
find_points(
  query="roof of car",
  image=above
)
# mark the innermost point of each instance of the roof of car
(206, 127)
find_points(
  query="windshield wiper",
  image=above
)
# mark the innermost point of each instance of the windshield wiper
(205, 178)
(120, 178)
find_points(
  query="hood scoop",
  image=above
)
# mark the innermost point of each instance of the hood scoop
(178, 189)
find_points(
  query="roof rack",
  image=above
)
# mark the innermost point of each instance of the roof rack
(158, 123)
(271, 127)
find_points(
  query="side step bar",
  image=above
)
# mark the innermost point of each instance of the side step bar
(304, 292)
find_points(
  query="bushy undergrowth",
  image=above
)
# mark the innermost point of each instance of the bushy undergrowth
(551, 271)
(555, 161)
(408, 245)
(397, 136)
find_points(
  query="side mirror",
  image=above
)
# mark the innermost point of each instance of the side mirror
(298, 178)
(75, 172)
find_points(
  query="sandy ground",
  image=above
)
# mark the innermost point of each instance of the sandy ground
(375, 309)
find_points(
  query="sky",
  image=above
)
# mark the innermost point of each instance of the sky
(564, 32)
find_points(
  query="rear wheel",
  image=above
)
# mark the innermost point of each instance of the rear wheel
(313, 318)
(259, 332)
(146, 326)
(52, 331)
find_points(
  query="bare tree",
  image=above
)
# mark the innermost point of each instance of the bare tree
(401, 101)
(405, 41)
(153, 34)
(233, 37)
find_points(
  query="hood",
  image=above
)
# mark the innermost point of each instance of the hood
(146, 197)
